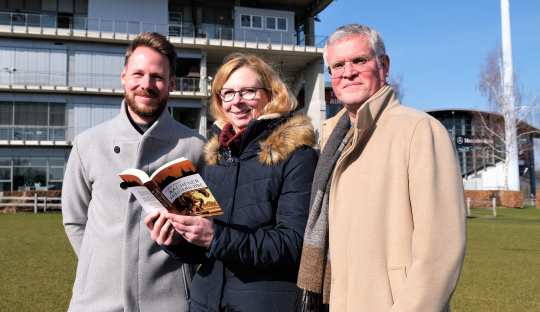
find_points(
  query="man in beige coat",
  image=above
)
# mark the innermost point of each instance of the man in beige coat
(386, 230)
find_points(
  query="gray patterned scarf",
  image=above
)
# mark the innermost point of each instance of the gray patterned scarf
(314, 274)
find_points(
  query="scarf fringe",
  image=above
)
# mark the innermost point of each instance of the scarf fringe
(309, 301)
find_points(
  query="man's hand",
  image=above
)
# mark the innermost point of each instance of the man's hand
(196, 230)
(160, 228)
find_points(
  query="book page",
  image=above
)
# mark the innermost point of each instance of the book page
(147, 200)
(133, 177)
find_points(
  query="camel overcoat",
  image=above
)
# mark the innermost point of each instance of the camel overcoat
(119, 267)
(396, 212)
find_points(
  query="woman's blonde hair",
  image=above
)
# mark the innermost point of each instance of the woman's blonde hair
(281, 101)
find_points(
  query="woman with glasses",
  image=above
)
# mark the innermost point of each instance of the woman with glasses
(259, 166)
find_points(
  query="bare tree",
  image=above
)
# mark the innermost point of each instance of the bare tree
(492, 87)
(396, 82)
(490, 83)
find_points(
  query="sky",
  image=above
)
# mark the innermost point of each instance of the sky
(439, 47)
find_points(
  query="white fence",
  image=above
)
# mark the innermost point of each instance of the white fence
(35, 202)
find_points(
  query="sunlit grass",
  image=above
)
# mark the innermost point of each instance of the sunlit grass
(501, 271)
(502, 266)
(37, 263)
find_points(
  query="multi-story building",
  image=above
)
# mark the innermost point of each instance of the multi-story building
(60, 64)
(479, 140)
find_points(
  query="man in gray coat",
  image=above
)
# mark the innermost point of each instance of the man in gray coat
(120, 268)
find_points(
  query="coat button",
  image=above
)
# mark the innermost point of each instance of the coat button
(117, 149)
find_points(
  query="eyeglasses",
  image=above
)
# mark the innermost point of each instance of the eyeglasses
(228, 95)
(359, 64)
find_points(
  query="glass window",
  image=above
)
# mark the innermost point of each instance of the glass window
(175, 5)
(257, 21)
(15, 4)
(65, 6)
(224, 16)
(56, 161)
(281, 23)
(245, 20)
(6, 113)
(271, 22)
(5, 173)
(189, 116)
(33, 5)
(25, 178)
(5, 186)
(34, 114)
(4, 161)
(81, 7)
(57, 114)
(56, 173)
(30, 161)
(48, 5)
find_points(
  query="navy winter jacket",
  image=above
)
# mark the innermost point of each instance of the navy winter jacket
(264, 190)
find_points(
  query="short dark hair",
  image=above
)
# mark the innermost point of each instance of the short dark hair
(157, 42)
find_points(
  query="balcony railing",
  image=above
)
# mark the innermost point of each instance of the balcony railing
(87, 80)
(76, 24)
(33, 133)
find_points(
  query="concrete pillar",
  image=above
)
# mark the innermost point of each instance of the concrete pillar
(315, 106)
(203, 82)
(309, 31)
(203, 116)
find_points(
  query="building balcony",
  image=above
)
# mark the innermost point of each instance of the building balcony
(91, 83)
(203, 34)
(33, 135)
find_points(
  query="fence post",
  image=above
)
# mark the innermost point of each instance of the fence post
(494, 206)
(468, 206)
(35, 202)
(45, 203)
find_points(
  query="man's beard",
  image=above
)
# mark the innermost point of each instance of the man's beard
(146, 111)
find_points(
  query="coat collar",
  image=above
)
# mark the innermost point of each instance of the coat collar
(283, 137)
(372, 109)
(159, 130)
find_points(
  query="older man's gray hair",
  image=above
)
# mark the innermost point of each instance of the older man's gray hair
(377, 44)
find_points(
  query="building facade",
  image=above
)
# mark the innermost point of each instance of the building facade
(478, 137)
(60, 64)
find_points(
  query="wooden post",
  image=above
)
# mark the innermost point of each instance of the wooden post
(468, 206)
(494, 206)
(35, 202)
(45, 204)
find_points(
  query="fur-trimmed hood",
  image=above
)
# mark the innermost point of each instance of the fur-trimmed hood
(295, 132)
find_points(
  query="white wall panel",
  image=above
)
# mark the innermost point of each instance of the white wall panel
(96, 69)
(85, 116)
(7, 59)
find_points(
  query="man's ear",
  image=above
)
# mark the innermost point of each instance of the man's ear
(385, 62)
(123, 76)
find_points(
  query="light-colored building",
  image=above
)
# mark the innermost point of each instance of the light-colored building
(60, 64)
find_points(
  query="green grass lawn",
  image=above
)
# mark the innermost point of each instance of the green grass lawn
(37, 265)
(502, 265)
(501, 272)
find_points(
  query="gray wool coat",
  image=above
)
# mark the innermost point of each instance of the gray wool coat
(119, 267)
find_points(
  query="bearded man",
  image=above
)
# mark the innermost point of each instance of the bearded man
(119, 267)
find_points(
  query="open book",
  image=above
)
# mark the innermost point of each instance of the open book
(175, 186)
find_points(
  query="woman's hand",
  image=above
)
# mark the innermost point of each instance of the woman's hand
(161, 229)
(196, 230)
